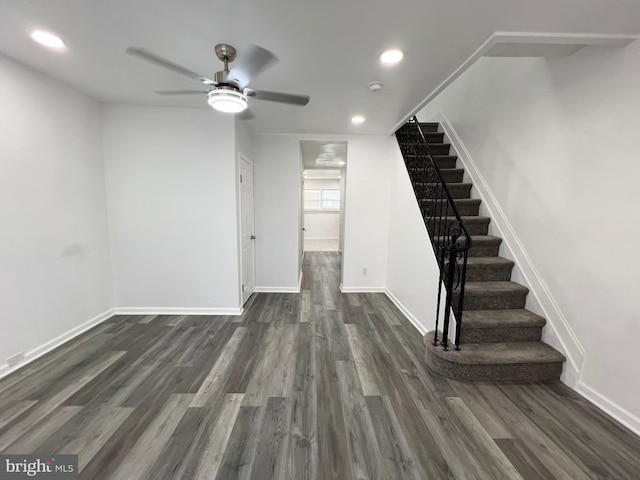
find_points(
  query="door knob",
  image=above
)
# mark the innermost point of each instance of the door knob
(253, 237)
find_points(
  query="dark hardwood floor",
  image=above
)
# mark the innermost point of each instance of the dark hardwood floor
(317, 385)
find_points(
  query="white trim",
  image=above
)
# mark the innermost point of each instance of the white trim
(176, 311)
(321, 238)
(37, 352)
(240, 157)
(625, 417)
(300, 276)
(523, 38)
(550, 309)
(344, 289)
(277, 289)
(405, 311)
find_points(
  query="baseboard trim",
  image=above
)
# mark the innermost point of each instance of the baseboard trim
(176, 311)
(38, 352)
(277, 289)
(321, 238)
(344, 289)
(538, 288)
(405, 311)
(625, 417)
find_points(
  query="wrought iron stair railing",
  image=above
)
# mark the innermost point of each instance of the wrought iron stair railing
(449, 237)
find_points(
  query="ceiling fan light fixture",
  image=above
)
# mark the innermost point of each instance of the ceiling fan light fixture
(226, 100)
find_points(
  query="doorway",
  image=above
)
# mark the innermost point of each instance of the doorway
(247, 237)
(323, 188)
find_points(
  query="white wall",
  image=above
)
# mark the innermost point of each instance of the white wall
(277, 194)
(367, 208)
(322, 225)
(412, 271)
(278, 203)
(244, 139)
(556, 142)
(171, 192)
(54, 255)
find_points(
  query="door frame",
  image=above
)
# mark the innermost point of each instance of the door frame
(240, 158)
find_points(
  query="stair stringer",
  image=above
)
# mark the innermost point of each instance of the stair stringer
(559, 335)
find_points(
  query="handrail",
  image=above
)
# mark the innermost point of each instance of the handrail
(444, 231)
(414, 119)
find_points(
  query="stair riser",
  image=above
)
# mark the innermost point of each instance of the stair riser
(442, 228)
(456, 190)
(429, 127)
(484, 251)
(441, 162)
(439, 149)
(464, 210)
(481, 229)
(488, 273)
(494, 335)
(468, 210)
(455, 176)
(434, 137)
(527, 372)
(493, 302)
(448, 176)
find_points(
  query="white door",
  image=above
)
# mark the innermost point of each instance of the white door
(246, 227)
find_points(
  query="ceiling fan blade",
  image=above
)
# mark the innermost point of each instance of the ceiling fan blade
(253, 61)
(289, 98)
(182, 92)
(245, 115)
(151, 57)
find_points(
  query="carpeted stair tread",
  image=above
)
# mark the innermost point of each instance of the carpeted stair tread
(442, 161)
(465, 206)
(434, 137)
(481, 245)
(457, 190)
(489, 261)
(470, 219)
(458, 201)
(474, 224)
(452, 175)
(503, 288)
(487, 269)
(497, 353)
(429, 126)
(439, 148)
(502, 319)
(479, 240)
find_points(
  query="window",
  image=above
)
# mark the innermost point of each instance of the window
(330, 200)
(322, 200)
(311, 199)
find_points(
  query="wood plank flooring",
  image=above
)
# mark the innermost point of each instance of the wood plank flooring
(316, 385)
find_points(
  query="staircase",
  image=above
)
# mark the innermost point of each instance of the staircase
(499, 339)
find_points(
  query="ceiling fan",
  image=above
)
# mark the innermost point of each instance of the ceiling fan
(228, 91)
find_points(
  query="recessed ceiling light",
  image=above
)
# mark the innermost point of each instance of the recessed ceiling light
(48, 39)
(391, 56)
(358, 119)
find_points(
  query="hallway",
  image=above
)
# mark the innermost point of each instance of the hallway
(317, 385)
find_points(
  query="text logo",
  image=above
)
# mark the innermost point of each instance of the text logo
(50, 467)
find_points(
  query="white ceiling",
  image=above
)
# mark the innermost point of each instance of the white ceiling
(327, 49)
(323, 155)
